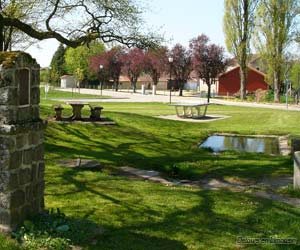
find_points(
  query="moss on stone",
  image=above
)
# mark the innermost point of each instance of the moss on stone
(7, 59)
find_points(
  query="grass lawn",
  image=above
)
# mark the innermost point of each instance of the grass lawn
(142, 215)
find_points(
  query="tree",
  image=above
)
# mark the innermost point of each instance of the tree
(156, 62)
(112, 64)
(208, 60)
(58, 63)
(276, 21)
(181, 66)
(79, 58)
(12, 37)
(238, 25)
(133, 65)
(103, 20)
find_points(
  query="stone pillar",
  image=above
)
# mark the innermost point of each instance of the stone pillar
(295, 145)
(297, 170)
(21, 140)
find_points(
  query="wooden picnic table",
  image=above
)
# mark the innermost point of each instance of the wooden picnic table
(188, 110)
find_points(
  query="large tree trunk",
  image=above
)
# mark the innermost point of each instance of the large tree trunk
(116, 85)
(243, 76)
(154, 89)
(208, 83)
(276, 86)
(181, 91)
(133, 87)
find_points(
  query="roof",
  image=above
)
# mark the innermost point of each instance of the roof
(249, 67)
(66, 76)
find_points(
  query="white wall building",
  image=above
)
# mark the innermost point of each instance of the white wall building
(67, 81)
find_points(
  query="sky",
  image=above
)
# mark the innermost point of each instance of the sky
(178, 20)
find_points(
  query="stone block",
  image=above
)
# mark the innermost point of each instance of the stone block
(29, 194)
(35, 110)
(17, 199)
(7, 78)
(25, 212)
(27, 156)
(13, 181)
(8, 115)
(8, 96)
(21, 141)
(34, 173)
(4, 200)
(40, 152)
(8, 143)
(35, 95)
(4, 162)
(9, 218)
(25, 176)
(4, 181)
(34, 138)
(5, 217)
(15, 160)
(24, 114)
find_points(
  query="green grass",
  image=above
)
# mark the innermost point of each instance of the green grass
(143, 215)
(62, 94)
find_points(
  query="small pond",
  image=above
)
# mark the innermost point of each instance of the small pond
(267, 145)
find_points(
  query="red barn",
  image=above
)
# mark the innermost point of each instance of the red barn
(229, 82)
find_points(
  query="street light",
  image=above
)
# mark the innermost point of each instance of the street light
(100, 77)
(170, 59)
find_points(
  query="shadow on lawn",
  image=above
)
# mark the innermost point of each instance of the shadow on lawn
(129, 146)
(204, 226)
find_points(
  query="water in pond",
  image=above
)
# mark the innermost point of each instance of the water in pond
(241, 143)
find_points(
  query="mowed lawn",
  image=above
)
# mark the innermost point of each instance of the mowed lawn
(135, 214)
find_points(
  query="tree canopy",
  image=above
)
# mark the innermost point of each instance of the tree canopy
(238, 24)
(103, 20)
(276, 20)
(111, 61)
(181, 66)
(79, 58)
(208, 60)
(58, 63)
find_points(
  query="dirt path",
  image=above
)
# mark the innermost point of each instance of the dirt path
(262, 188)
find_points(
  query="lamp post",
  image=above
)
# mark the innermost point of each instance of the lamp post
(100, 77)
(170, 59)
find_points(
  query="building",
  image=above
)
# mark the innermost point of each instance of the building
(229, 82)
(67, 81)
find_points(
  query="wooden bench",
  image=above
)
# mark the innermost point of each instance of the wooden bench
(58, 112)
(95, 112)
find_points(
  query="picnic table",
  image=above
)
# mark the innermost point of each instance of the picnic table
(190, 110)
(76, 109)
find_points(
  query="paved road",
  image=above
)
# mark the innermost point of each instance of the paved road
(163, 96)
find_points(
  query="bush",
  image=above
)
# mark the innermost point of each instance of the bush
(53, 231)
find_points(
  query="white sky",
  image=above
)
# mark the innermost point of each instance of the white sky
(178, 20)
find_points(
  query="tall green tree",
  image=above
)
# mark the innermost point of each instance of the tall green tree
(75, 23)
(79, 58)
(58, 63)
(238, 24)
(276, 29)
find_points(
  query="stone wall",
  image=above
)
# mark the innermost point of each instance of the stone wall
(21, 140)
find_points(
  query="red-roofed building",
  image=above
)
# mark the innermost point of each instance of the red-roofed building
(229, 82)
